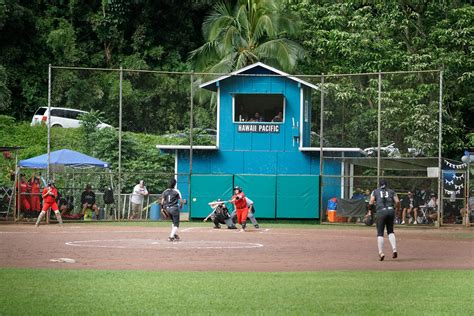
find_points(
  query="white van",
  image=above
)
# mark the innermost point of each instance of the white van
(61, 117)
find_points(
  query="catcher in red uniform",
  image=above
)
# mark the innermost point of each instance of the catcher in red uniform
(50, 193)
(241, 208)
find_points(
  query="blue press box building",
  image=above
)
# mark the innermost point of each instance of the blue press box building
(272, 161)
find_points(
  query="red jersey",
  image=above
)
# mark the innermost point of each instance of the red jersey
(50, 198)
(24, 186)
(241, 202)
(35, 188)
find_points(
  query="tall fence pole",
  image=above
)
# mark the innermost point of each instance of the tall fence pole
(321, 149)
(191, 126)
(48, 172)
(440, 144)
(379, 124)
(119, 184)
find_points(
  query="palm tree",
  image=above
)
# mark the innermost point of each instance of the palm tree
(255, 30)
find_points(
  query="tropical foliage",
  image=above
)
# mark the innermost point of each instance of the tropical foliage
(252, 31)
(190, 35)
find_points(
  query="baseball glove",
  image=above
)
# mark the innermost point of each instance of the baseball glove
(369, 219)
(164, 213)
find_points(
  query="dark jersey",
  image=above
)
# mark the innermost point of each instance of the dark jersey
(222, 213)
(88, 197)
(171, 197)
(410, 203)
(384, 198)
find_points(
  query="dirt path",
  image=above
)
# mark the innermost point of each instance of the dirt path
(207, 249)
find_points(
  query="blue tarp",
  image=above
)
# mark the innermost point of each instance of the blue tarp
(64, 157)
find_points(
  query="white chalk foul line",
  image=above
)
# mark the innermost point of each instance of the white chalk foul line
(63, 260)
(154, 244)
(212, 230)
(202, 244)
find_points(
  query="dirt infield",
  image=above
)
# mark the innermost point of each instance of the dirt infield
(207, 249)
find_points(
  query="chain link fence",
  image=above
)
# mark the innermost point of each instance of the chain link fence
(362, 126)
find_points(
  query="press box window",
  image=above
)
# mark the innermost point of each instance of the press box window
(263, 108)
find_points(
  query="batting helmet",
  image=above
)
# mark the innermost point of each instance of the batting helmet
(238, 188)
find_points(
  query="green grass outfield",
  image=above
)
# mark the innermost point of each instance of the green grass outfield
(86, 292)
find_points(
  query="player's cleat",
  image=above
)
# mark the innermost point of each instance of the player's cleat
(217, 226)
(176, 237)
(403, 222)
(37, 225)
(394, 255)
(415, 222)
(232, 227)
(381, 256)
(170, 239)
(256, 226)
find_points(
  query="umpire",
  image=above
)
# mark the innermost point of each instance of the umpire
(384, 201)
(170, 201)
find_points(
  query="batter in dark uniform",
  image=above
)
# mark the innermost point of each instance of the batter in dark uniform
(384, 201)
(170, 200)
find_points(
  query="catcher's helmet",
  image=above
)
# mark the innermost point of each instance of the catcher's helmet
(238, 188)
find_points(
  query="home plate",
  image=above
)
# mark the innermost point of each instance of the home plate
(66, 260)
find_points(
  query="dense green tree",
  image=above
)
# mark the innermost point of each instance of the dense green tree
(252, 31)
(338, 36)
(368, 36)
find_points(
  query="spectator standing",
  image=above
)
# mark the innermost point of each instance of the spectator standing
(35, 195)
(23, 198)
(138, 194)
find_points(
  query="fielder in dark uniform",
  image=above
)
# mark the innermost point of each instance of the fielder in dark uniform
(170, 200)
(384, 201)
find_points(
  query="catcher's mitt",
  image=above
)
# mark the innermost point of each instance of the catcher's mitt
(164, 213)
(369, 219)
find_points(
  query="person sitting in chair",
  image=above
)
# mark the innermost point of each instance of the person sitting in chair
(409, 205)
(432, 207)
(88, 201)
(468, 211)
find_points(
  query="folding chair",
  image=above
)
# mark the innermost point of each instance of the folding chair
(424, 214)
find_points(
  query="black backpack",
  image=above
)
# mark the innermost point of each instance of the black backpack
(109, 196)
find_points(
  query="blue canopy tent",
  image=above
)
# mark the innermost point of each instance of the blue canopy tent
(64, 157)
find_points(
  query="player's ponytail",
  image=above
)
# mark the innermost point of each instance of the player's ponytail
(383, 188)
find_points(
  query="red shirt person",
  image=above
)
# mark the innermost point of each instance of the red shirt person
(50, 193)
(241, 208)
(35, 194)
(23, 200)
